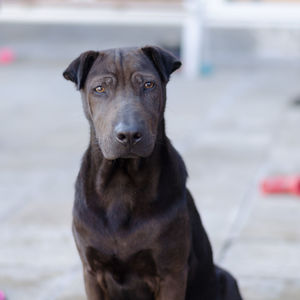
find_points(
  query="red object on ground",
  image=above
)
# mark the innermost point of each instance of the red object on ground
(2, 296)
(7, 56)
(281, 185)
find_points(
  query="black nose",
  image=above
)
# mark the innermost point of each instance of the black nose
(128, 137)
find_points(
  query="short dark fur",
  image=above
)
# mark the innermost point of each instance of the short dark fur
(135, 224)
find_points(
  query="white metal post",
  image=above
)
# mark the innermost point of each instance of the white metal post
(191, 44)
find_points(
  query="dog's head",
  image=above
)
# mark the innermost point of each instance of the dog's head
(123, 93)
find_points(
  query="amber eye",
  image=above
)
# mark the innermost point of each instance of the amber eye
(148, 85)
(100, 89)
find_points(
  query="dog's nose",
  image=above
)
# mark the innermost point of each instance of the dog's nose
(128, 136)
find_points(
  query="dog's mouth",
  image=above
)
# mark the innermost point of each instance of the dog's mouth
(112, 150)
(116, 153)
(123, 156)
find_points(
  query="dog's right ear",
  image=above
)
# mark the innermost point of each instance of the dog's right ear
(79, 68)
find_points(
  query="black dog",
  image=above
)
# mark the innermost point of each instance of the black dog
(135, 224)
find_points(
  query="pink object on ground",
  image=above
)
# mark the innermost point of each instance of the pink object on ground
(281, 185)
(2, 296)
(7, 56)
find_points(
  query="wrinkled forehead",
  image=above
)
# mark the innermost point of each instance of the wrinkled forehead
(122, 63)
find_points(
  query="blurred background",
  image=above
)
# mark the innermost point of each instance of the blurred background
(233, 113)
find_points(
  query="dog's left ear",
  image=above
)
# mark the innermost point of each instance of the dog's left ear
(79, 68)
(165, 62)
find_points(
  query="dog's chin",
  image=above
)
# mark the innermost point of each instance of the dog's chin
(113, 151)
(126, 154)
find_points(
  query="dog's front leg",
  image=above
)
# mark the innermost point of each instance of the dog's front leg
(92, 287)
(173, 286)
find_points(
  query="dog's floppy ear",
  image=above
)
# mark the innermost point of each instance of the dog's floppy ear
(165, 62)
(79, 68)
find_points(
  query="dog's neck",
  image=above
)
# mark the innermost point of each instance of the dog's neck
(119, 186)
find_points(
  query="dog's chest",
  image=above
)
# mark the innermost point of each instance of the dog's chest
(123, 257)
(120, 236)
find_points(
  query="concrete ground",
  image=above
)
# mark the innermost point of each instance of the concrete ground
(232, 128)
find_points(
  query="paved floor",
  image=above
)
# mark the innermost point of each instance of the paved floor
(232, 128)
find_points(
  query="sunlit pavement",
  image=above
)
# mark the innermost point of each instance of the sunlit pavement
(233, 128)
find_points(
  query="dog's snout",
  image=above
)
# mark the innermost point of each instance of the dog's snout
(128, 136)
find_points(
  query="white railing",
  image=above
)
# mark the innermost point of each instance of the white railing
(222, 13)
(191, 15)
